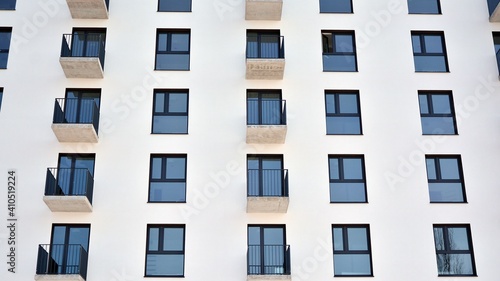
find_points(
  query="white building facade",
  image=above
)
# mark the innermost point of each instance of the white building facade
(249, 140)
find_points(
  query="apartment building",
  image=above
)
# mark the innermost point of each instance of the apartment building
(249, 140)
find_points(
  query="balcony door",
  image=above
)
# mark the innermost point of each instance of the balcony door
(73, 174)
(265, 175)
(266, 250)
(79, 106)
(263, 44)
(69, 244)
(264, 108)
(87, 42)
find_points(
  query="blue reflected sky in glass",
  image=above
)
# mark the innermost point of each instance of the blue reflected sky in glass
(353, 168)
(449, 168)
(342, 192)
(446, 192)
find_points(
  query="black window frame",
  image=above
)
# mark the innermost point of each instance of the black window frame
(431, 114)
(164, 252)
(164, 158)
(333, 33)
(1, 97)
(9, 5)
(341, 179)
(322, 11)
(338, 114)
(169, 33)
(424, 13)
(449, 251)
(175, 11)
(439, 179)
(496, 45)
(261, 100)
(424, 53)
(167, 92)
(346, 251)
(6, 51)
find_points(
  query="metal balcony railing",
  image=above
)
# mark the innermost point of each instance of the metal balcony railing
(268, 260)
(266, 112)
(85, 45)
(264, 46)
(267, 182)
(76, 111)
(69, 182)
(492, 5)
(61, 259)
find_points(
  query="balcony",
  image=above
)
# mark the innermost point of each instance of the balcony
(263, 9)
(265, 57)
(88, 9)
(61, 262)
(267, 191)
(493, 6)
(266, 121)
(268, 262)
(69, 190)
(76, 120)
(82, 56)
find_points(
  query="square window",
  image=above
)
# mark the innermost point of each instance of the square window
(165, 251)
(266, 176)
(347, 179)
(167, 179)
(429, 52)
(172, 49)
(339, 51)
(174, 6)
(265, 107)
(437, 113)
(7, 4)
(424, 7)
(343, 115)
(265, 44)
(445, 178)
(170, 112)
(335, 6)
(454, 253)
(5, 35)
(351, 250)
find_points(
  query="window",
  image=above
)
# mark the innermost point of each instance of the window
(1, 96)
(174, 6)
(265, 44)
(335, 6)
(454, 253)
(81, 106)
(170, 112)
(496, 42)
(165, 250)
(167, 179)
(265, 107)
(266, 176)
(74, 174)
(172, 49)
(424, 7)
(268, 253)
(351, 250)
(339, 51)
(7, 4)
(429, 52)
(5, 34)
(347, 179)
(343, 115)
(437, 113)
(444, 174)
(87, 42)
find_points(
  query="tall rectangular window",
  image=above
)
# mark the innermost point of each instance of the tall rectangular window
(343, 115)
(1, 96)
(174, 6)
(454, 252)
(496, 43)
(335, 6)
(424, 7)
(172, 49)
(165, 251)
(437, 113)
(352, 250)
(347, 179)
(339, 51)
(5, 35)
(170, 112)
(445, 177)
(7, 4)
(429, 51)
(167, 178)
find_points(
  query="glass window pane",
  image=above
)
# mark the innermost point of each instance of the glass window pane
(417, 48)
(162, 42)
(176, 168)
(160, 102)
(439, 238)
(358, 240)
(458, 238)
(177, 102)
(173, 239)
(352, 264)
(153, 239)
(455, 264)
(449, 168)
(180, 42)
(338, 239)
(170, 124)
(335, 6)
(327, 42)
(3, 60)
(424, 106)
(446, 192)
(330, 103)
(431, 169)
(167, 192)
(165, 265)
(156, 168)
(430, 64)
(423, 6)
(341, 192)
(5, 40)
(174, 6)
(343, 125)
(339, 63)
(348, 103)
(441, 104)
(8, 5)
(334, 168)
(433, 44)
(172, 61)
(353, 168)
(438, 125)
(344, 43)
(253, 235)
